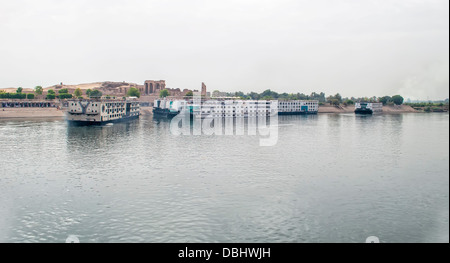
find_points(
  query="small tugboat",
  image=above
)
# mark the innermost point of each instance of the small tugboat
(102, 111)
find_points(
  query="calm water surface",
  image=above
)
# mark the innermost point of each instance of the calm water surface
(330, 178)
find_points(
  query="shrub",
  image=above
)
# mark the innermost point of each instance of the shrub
(64, 96)
(30, 96)
(95, 94)
(19, 96)
(164, 93)
(133, 92)
(349, 102)
(50, 96)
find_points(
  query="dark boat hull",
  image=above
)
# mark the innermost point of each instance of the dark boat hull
(100, 123)
(297, 113)
(164, 113)
(364, 111)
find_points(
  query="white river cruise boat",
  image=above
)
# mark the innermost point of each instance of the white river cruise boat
(102, 111)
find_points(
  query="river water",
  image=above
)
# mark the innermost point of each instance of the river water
(330, 178)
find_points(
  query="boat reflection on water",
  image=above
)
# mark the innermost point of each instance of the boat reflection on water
(97, 137)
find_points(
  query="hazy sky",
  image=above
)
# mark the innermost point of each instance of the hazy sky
(356, 47)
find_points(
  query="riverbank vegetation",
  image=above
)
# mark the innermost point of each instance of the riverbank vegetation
(335, 100)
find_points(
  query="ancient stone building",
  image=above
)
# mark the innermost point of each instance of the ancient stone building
(153, 87)
(203, 90)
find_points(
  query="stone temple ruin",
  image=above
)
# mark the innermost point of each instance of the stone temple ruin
(153, 88)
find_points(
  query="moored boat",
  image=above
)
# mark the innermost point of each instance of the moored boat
(102, 111)
(368, 108)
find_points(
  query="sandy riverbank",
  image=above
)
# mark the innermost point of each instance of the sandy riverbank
(6, 113)
(145, 111)
(351, 109)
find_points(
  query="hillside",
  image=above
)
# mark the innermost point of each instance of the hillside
(85, 86)
(95, 85)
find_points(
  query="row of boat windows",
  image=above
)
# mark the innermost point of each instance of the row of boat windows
(241, 111)
(235, 106)
(114, 105)
(116, 115)
(293, 103)
(298, 107)
(114, 110)
(75, 104)
(109, 105)
(295, 110)
(108, 111)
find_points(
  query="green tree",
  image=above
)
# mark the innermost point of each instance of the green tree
(50, 96)
(292, 97)
(397, 99)
(216, 93)
(133, 92)
(190, 94)
(349, 102)
(30, 96)
(95, 94)
(334, 102)
(239, 94)
(254, 96)
(164, 93)
(64, 96)
(269, 93)
(267, 98)
(78, 93)
(51, 92)
(38, 90)
(63, 91)
(88, 92)
(385, 99)
(19, 90)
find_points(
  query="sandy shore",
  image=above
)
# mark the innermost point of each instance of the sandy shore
(146, 111)
(30, 113)
(351, 109)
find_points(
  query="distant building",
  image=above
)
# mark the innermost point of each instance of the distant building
(204, 90)
(154, 87)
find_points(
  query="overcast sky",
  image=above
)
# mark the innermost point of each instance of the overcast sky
(355, 47)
